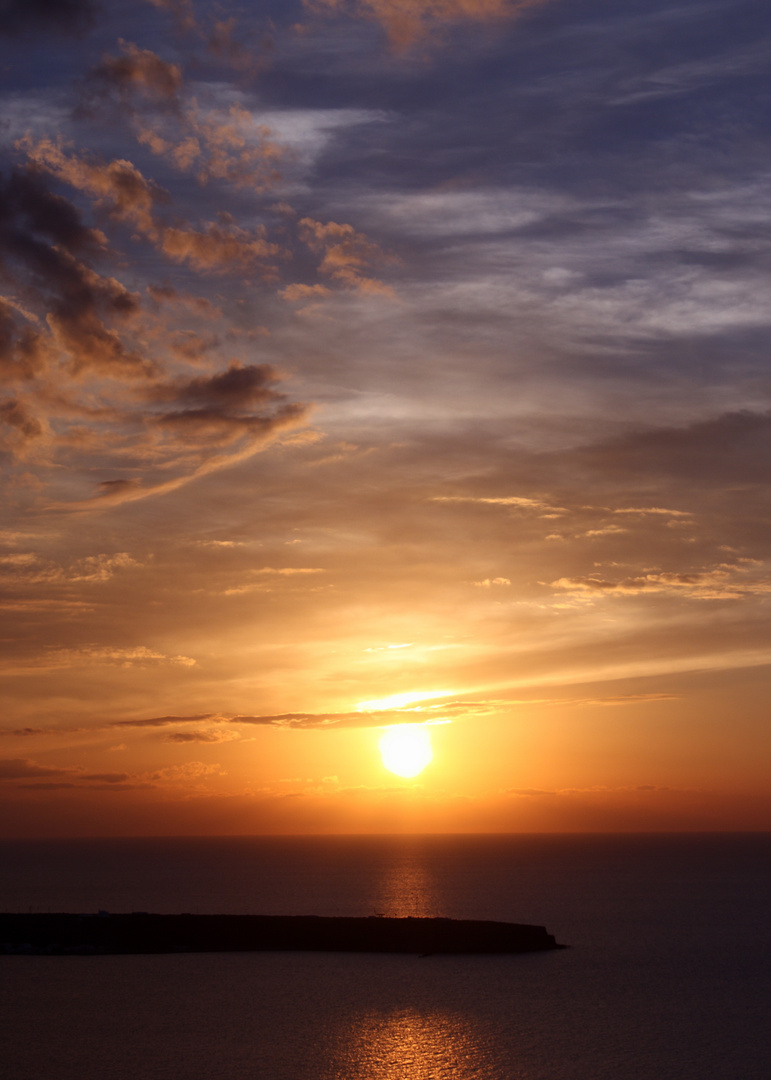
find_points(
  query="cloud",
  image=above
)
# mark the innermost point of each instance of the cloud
(346, 253)
(304, 292)
(28, 568)
(719, 583)
(416, 714)
(117, 185)
(517, 502)
(20, 768)
(189, 771)
(253, 434)
(733, 446)
(81, 787)
(218, 736)
(23, 351)
(238, 387)
(107, 778)
(42, 245)
(97, 323)
(211, 142)
(653, 510)
(428, 713)
(290, 571)
(409, 21)
(139, 656)
(137, 70)
(23, 430)
(163, 721)
(220, 247)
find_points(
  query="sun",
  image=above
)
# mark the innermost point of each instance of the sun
(406, 749)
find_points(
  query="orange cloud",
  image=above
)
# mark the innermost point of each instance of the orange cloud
(345, 254)
(116, 184)
(408, 21)
(720, 583)
(303, 292)
(21, 431)
(129, 197)
(140, 70)
(217, 247)
(150, 92)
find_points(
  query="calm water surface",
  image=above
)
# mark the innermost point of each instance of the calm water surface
(668, 974)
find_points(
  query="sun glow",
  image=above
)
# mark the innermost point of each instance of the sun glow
(400, 701)
(406, 749)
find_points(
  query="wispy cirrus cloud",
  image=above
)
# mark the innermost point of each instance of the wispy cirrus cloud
(59, 659)
(724, 582)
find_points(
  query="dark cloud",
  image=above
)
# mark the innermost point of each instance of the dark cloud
(107, 778)
(34, 17)
(218, 736)
(163, 721)
(239, 386)
(734, 447)
(363, 718)
(110, 786)
(28, 208)
(43, 244)
(240, 402)
(112, 487)
(19, 768)
(48, 787)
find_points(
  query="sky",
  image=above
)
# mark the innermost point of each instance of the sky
(378, 362)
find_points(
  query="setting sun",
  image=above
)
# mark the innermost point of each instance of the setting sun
(406, 750)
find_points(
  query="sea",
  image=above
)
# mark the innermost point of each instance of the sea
(667, 975)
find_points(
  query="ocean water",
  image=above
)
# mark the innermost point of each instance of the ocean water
(668, 974)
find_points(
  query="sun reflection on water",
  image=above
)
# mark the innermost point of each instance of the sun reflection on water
(411, 1046)
(405, 885)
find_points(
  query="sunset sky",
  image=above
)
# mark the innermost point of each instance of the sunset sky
(372, 362)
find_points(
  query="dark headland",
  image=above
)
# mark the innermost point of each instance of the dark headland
(140, 932)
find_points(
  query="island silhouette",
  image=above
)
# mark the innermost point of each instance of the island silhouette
(142, 932)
